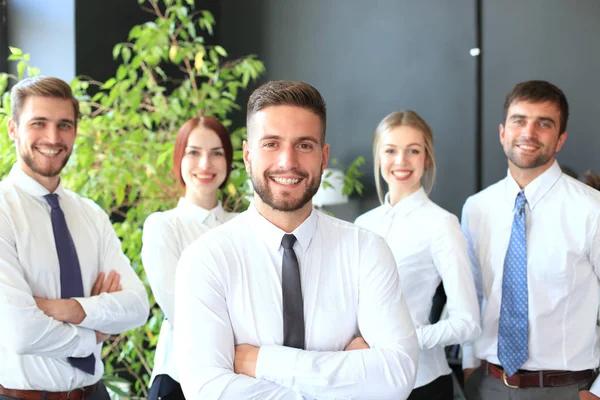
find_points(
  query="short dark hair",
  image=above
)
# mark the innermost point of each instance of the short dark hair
(182, 139)
(43, 86)
(288, 93)
(538, 92)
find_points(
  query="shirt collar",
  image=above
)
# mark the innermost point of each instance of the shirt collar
(536, 190)
(406, 205)
(273, 235)
(29, 185)
(199, 212)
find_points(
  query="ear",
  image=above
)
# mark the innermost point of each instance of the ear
(561, 141)
(12, 129)
(501, 129)
(325, 157)
(246, 154)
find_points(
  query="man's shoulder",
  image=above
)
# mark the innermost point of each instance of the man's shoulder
(85, 204)
(581, 193)
(486, 197)
(228, 234)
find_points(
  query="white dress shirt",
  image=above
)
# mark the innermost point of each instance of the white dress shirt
(166, 235)
(228, 292)
(34, 347)
(429, 247)
(563, 268)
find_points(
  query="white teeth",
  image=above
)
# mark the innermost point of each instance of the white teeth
(48, 152)
(203, 176)
(401, 174)
(527, 147)
(285, 181)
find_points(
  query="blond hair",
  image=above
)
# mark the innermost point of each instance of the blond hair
(394, 120)
(43, 86)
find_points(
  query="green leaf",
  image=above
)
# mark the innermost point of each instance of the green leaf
(116, 51)
(15, 50)
(220, 50)
(21, 69)
(109, 83)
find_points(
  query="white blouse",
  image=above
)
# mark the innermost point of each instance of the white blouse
(166, 235)
(429, 247)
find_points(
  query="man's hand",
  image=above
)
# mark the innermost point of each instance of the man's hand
(357, 344)
(63, 310)
(245, 360)
(587, 395)
(467, 373)
(111, 284)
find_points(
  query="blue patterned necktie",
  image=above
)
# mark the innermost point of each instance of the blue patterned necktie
(71, 283)
(513, 328)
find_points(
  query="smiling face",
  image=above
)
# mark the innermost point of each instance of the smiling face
(44, 134)
(285, 157)
(203, 166)
(402, 158)
(530, 137)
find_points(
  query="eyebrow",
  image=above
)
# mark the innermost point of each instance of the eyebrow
(200, 148)
(300, 139)
(70, 121)
(408, 145)
(547, 119)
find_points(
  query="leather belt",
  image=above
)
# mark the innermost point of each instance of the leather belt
(529, 379)
(75, 394)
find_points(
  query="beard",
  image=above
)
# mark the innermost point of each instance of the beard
(285, 203)
(49, 171)
(529, 162)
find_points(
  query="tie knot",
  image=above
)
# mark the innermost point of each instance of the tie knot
(520, 201)
(52, 199)
(288, 241)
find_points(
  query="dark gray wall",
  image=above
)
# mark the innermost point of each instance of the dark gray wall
(555, 40)
(369, 58)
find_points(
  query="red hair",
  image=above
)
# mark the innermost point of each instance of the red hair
(182, 138)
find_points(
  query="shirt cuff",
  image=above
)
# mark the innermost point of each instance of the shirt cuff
(277, 364)
(91, 309)
(419, 331)
(595, 389)
(469, 360)
(87, 343)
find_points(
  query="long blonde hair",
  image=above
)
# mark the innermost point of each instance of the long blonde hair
(404, 118)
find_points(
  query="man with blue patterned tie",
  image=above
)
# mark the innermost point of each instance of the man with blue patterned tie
(534, 246)
(65, 284)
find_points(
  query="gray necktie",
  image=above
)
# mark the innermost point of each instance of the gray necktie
(293, 306)
(71, 283)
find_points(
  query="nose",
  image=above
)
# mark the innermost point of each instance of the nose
(399, 158)
(52, 134)
(287, 158)
(204, 161)
(529, 130)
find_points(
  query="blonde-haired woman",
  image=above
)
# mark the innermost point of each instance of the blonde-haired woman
(428, 246)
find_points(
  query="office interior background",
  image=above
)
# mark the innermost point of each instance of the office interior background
(369, 58)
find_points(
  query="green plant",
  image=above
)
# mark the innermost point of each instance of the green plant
(124, 148)
(352, 176)
(123, 154)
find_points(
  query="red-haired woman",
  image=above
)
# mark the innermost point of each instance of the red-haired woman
(201, 162)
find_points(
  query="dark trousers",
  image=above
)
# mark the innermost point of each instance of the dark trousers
(100, 394)
(165, 388)
(439, 389)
